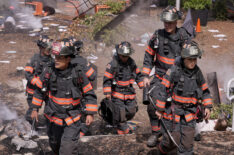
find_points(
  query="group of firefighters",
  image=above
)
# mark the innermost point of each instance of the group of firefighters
(62, 79)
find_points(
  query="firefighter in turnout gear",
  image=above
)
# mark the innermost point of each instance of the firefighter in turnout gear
(78, 59)
(187, 88)
(70, 97)
(34, 68)
(163, 47)
(118, 81)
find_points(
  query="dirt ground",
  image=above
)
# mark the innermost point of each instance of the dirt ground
(218, 60)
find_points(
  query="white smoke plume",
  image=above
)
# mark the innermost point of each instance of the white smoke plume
(6, 113)
(22, 12)
(28, 19)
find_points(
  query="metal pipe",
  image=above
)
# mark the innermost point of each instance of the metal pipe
(178, 5)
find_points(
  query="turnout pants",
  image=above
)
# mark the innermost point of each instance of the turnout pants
(63, 140)
(182, 132)
(154, 121)
(124, 110)
(29, 111)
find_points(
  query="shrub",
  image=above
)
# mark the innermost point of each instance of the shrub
(115, 6)
(220, 10)
(222, 109)
(197, 4)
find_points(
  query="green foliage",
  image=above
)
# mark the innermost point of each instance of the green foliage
(197, 4)
(222, 108)
(115, 6)
(95, 22)
(220, 10)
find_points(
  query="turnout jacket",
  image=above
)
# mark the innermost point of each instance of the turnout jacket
(69, 93)
(187, 88)
(162, 50)
(33, 69)
(119, 79)
(86, 66)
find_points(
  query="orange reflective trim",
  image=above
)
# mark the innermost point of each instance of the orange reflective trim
(118, 95)
(120, 132)
(82, 134)
(146, 70)
(160, 104)
(189, 117)
(87, 88)
(204, 86)
(36, 81)
(30, 91)
(165, 60)
(167, 116)
(207, 101)
(123, 97)
(37, 101)
(150, 51)
(28, 69)
(166, 83)
(108, 75)
(77, 118)
(137, 70)
(107, 89)
(159, 77)
(125, 83)
(155, 128)
(141, 84)
(130, 97)
(69, 121)
(89, 72)
(184, 99)
(64, 101)
(91, 107)
(54, 119)
(177, 118)
(132, 81)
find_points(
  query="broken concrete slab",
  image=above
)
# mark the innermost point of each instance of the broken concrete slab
(20, 143)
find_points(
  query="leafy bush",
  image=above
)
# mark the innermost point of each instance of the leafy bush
(220, 10)
(222, 109)
(197, 4)
(115, 6)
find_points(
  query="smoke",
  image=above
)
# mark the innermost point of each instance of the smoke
(222, 64)
(28, 19)
(6, 113)
(12, 8)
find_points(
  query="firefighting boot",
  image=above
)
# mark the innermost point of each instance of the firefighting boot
(152, 141)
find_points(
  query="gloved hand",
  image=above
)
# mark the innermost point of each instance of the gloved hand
(89, 119)
(108, 96)
(34, 115)
(146, 82)
(159, 114)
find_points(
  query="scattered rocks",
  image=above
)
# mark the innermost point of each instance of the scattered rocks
(20, 143)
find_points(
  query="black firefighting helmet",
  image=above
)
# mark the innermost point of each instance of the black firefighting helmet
(124, 48)
(169, 15)
(63, 48)
(192, 51)
(44, 41)
(77, 44)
